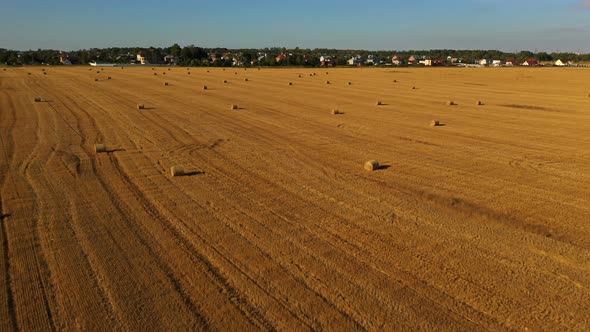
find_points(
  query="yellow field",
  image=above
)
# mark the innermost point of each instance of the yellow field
(482, 223)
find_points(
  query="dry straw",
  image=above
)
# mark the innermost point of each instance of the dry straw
(140, 106)
(434, 123)
(372, 165)
(98, 148)
(176, 171)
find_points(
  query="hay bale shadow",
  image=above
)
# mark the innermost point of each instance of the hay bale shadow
(383, 167)
(193, 173)
(114, 150)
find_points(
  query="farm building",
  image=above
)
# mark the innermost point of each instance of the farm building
(560, 63)
(396, 60)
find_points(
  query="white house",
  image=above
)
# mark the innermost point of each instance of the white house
(496, 63)
(560, 63)
(355, 61)
(370, 59)
(483, 62)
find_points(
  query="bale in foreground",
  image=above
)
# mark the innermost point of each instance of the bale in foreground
(434, 123)
(176, 171)
(140, 106)
(98, 148)
(372, 165)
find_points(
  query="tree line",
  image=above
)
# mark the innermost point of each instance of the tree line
(197, 56)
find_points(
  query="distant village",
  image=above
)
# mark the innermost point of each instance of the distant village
(357, 60)
(196, 56)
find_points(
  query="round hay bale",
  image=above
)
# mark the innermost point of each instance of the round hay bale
(299, 75)
(290, 83)
(153, 68)
(204, 87)
(327, 82)
(224, 81)
(29, 73)
(4, 69)
(208, 71)
(223, 69)
(434, 123)
(413, 88)
(235, 73)
(38, 99)
(234, 107)
(372, 165)
(478, 103)
(42, 69)
(98, 148)
(349, 83)
(108, 78)
(140, 106)
(310, 75)
(155, 74)
(379, 103)
(44, 73)
(326, 73)
(335, 112)
(176, 171)
(168, 69)
(96, 80)
(245, 80)
(164, 73)
(101, 69)
(394, 81)
(450, 103)
(98, 72)
(166, 83)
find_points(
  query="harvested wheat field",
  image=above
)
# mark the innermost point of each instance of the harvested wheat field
(192, 215)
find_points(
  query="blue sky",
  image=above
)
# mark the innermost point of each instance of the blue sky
(509, 25)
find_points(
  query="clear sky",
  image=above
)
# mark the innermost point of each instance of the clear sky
(508, 25)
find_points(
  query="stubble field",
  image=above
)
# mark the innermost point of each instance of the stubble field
(481, 223)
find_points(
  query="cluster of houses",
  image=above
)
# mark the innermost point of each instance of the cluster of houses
(329, 61)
